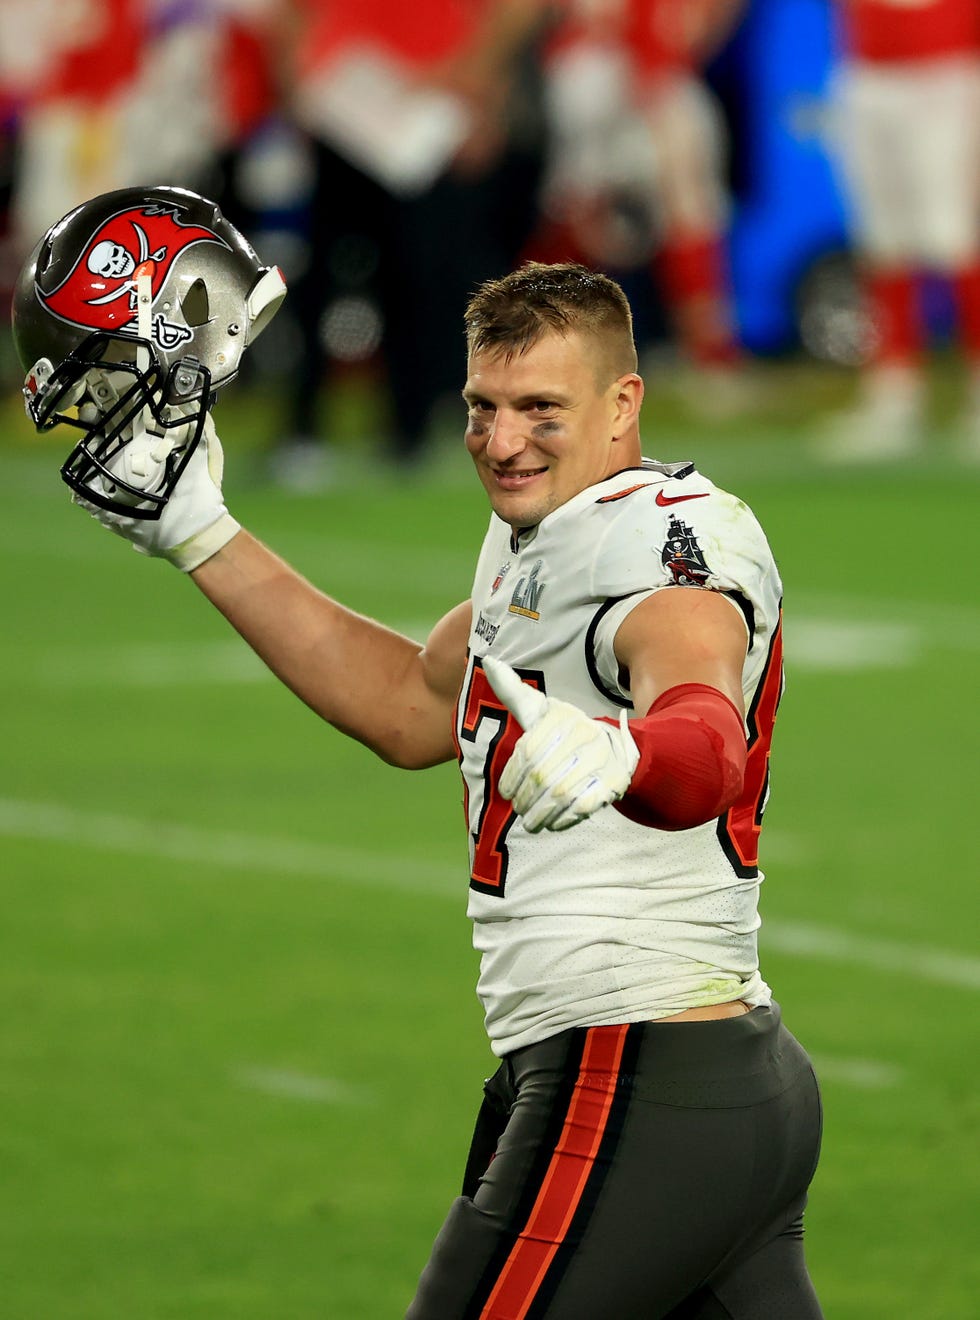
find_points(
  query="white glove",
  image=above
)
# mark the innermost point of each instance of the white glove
(194, 524)
(566, 765)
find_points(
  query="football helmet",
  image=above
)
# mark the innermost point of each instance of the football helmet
(130, 314)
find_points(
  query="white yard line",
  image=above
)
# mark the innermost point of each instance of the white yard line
(920, 962)
(813, 642)
(862, 1074)
(327, 558)
(149, 665)
(239, 850)
(52, 822)
(951, 625)
(154, 664)
(287, 1084)
(848, 645)
(291, 1085)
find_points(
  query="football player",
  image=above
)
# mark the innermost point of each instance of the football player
(637, 166)
(909, 99)
(645, 1148)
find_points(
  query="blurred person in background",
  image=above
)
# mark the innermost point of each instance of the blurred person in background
(104, 94)
(909, 141)
(121, 92)
(22, 54)
(426, 132)
(637, 173)
(221, 58)
(83, 60)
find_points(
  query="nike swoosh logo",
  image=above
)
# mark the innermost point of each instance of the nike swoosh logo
(665, 500)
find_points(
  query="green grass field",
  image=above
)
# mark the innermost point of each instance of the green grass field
(241, 1052)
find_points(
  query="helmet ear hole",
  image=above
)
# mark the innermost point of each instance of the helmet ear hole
(195, 305)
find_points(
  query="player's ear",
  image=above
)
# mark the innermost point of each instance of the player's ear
(628, 397)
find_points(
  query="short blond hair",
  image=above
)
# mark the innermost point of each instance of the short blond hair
(507, 316)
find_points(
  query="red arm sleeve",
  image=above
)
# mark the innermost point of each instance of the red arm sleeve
(692, 759)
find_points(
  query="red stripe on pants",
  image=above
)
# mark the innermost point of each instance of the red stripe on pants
(566, 1178)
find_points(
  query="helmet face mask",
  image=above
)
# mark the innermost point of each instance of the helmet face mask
(132, 312)
(104, 393)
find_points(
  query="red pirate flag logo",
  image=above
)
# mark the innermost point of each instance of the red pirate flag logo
(99, 293)
(682, 555)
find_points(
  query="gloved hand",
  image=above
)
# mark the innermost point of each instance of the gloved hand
(566, 765)
(194, 523)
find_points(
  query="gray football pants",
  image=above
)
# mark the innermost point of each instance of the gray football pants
(656, 1171)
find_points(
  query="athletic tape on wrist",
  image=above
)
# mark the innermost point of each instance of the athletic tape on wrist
(190, 554)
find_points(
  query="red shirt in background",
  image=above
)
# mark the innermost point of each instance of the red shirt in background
(420, 33)
(665, 35)
(104, 60)
(661, 35)
(249, 89)
(902, 31)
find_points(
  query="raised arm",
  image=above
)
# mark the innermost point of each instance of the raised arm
(140, 387)
(390, 693)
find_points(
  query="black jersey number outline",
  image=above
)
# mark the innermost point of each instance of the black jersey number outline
(481, 703)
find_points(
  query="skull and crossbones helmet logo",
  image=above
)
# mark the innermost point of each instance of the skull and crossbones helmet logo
(111, 260)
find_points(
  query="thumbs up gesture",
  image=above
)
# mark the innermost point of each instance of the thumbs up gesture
(566, 765)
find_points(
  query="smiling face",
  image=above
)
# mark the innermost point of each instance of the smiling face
(546, 423)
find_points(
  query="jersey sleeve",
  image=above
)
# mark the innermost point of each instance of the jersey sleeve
(708, 540)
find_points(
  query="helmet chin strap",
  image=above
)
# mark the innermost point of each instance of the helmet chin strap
(143, 279)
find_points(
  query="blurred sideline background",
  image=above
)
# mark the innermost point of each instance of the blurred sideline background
(241, 1052)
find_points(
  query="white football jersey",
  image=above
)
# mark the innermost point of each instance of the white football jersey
(612, 921)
